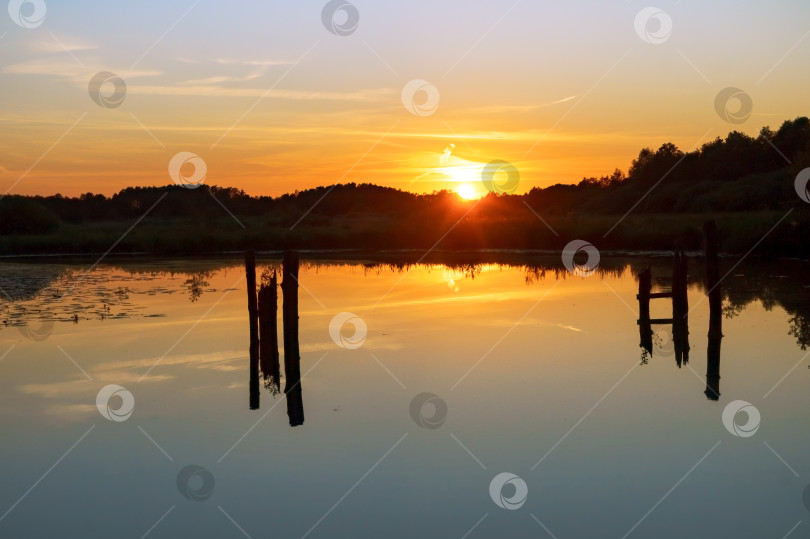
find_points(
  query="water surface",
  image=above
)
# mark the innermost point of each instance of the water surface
(540, 372)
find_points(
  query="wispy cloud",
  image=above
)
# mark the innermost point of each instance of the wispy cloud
(257, 69)
(564, 100)
(519, 108)
(220, 79)
(57, 43)
(65, 68)
(210, 90)
(236, 62)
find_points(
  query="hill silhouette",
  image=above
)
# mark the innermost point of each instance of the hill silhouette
(745, 183)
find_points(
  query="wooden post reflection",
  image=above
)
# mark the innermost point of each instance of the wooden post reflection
(680, 310)
(714, 291)
(253, 315)
(268, 333)
(292, 356)
(644, 326)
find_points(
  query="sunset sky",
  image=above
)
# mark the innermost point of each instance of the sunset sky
(274, 102)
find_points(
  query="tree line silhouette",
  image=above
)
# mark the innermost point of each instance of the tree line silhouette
(745, 182)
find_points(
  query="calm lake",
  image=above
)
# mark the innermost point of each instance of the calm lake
(421, 384)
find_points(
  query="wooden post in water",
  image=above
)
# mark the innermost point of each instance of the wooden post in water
(680, 309)
(712, 268)
(713, 360)
(715, 293)
(268, 334)
(292, 356)
(253, 316)
(644, 326)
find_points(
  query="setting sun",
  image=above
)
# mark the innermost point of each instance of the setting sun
(466, 191)
(465, 175)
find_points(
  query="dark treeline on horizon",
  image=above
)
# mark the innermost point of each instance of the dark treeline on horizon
(670, 193)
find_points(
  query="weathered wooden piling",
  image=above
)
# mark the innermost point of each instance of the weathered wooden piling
(253, 322)
(292, 356)
(713, 361)
(680, 309)
(268, 334)
(715, 293)
(711, 248)
(644, 326)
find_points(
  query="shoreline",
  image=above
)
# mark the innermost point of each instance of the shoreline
(358, 255)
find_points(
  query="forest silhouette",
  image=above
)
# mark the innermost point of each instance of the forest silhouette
(745, 183)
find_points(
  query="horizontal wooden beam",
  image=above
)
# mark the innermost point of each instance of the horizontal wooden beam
(655, 295)
(656, 321)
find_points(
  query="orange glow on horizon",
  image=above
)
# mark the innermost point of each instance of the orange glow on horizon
(298, 107)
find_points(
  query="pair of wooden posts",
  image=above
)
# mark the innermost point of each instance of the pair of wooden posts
(680, 310)
(263, 323)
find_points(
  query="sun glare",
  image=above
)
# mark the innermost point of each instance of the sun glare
(464, 177)
(466, 191)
